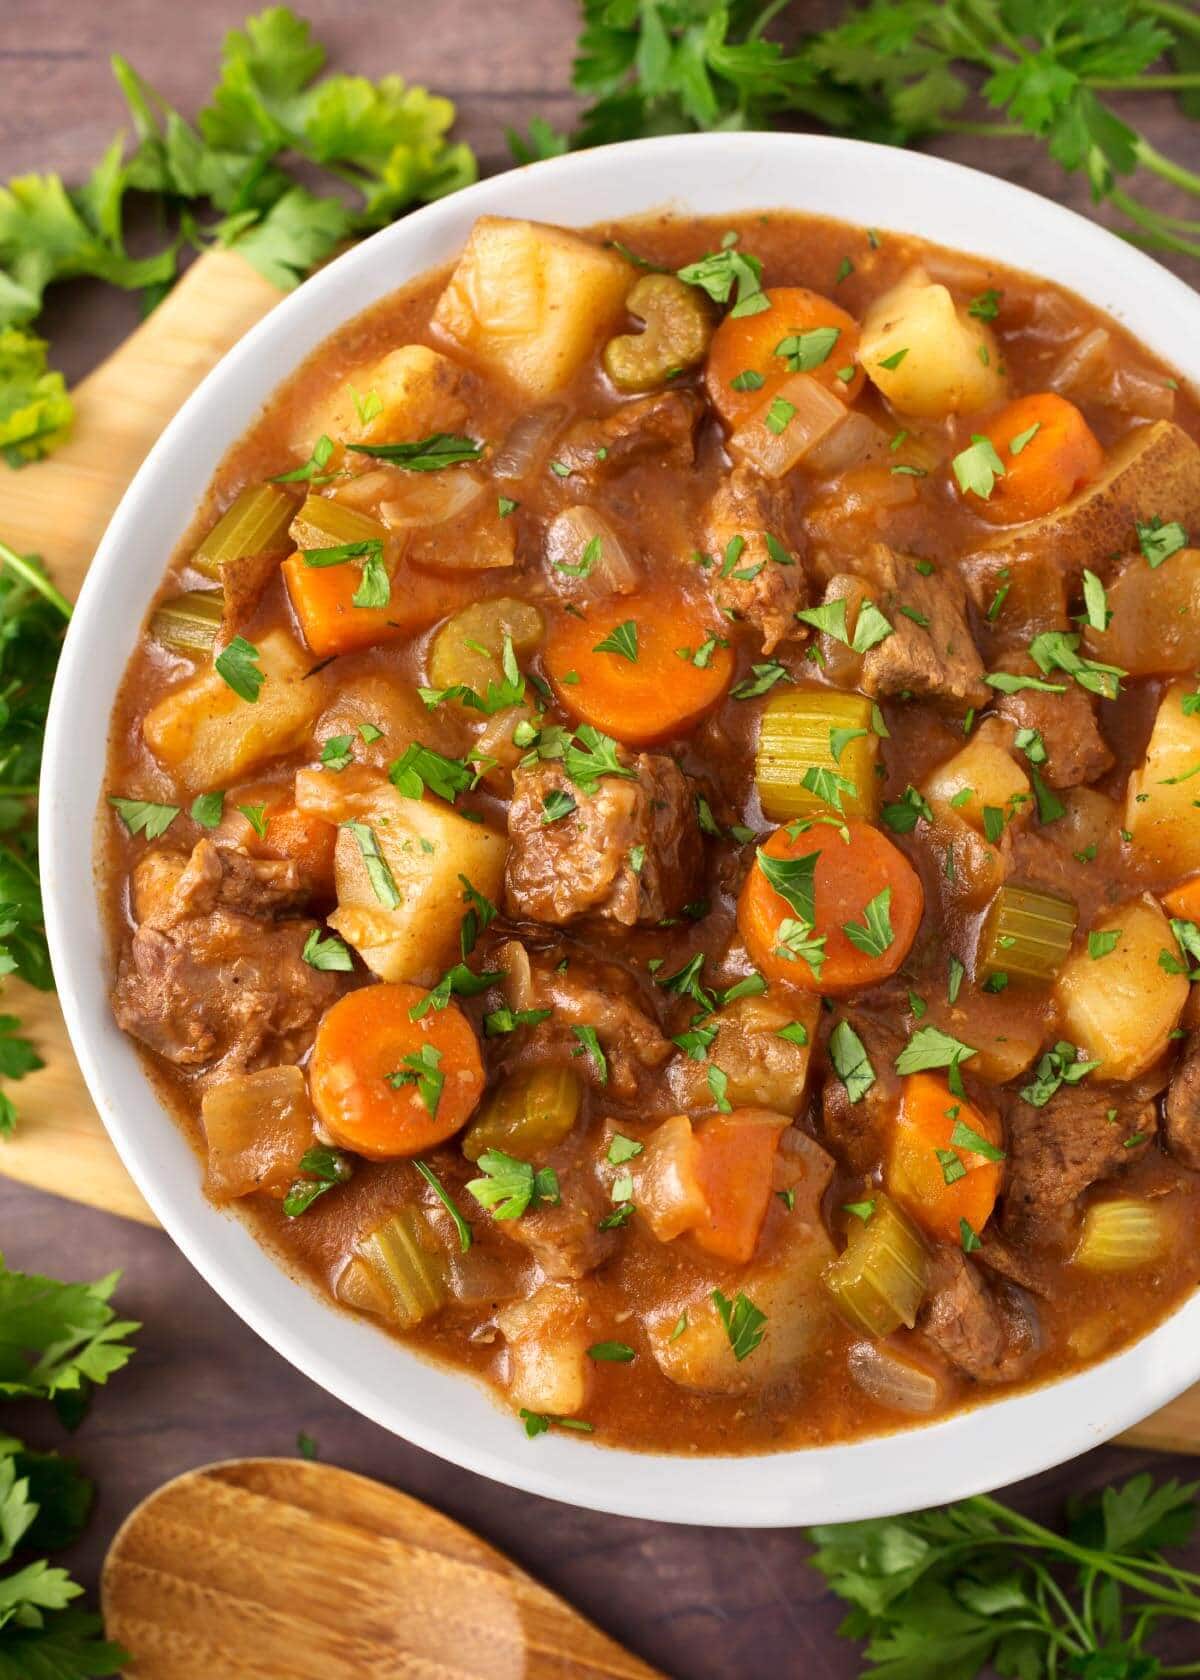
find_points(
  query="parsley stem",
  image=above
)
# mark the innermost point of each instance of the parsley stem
(1123, 1570)
(1181, 16)
(766, 17)
(30, 575)
(1147, 84)
(998, 130)
(1171, 171)
(1156, 234)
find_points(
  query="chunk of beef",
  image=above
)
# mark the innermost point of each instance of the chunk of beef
(629, 852)
(856, 1131)
(1076, 751)
(585, 993)
(989, 1332)
(753, 582)
(169, 886)
(209, 976)
(660, 427)
(1181, 1122)
(930, 652)
(1083, 1134)
(566, 1240)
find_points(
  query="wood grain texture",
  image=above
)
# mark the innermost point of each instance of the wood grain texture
(59, 509)
(262, 1567)
(703, 1604)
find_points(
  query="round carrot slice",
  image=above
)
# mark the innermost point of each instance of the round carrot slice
(745, 366)
(932, 1167)
(1048, 452)
(853, 935)
(630, 667)
(386, 1085)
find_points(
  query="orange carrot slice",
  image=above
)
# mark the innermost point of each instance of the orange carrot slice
(744, 368)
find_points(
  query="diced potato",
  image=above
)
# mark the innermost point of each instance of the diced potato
(1155, 624)
(1153, 472)
(257, 1126)
(1120, 1009)
(666, 1189)
(951, 362)
(1160, 813)
(700, 1356)
(208, 736)
(982, 773)
(533, 302)
(408, 394)
(426, 846)
(547, 1340)
(390, 705)
(763, 1070)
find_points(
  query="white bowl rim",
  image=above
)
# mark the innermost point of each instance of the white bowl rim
(434, 1408)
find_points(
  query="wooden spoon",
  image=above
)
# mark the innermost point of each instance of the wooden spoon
(281, 1569)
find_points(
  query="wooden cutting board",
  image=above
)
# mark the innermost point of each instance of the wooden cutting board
(59, 509)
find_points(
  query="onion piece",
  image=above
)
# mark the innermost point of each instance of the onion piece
(365, 490)
(892, 1381)
(527, 442)
(1085, 360)
(962, 274)
(856, 441)
(610, 568)
(668, 1193)
(429, 499)
(803, 411)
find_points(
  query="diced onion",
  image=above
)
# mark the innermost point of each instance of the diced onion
(527, 442)
(610, 570)
(1121, 1234)
(430, 498)
(854, 442)
(804, 411)
(366, 489)
(1082, 363)
(891, 1381)
(961, 274)
(667, 1191)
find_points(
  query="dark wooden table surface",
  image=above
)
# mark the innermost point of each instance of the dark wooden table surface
(727, 1604)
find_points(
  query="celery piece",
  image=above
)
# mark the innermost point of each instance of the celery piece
(527, 1115)
(255, 521)
(1122, 1234)
(189, 623)
(806, 730)
(1027, 933)
(323, 523)
(878, 1281)
(398, 1271)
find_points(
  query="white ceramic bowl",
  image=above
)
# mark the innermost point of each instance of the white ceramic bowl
(445, 1413)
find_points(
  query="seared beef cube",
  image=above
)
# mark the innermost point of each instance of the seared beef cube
(1083, 1134)
(1182, 1114)
(988, 1332)
(760, 581)
(1076, 751)
(629, 852)
(660, 427)
(930, 653)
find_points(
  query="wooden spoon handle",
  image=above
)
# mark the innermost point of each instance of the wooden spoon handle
(281, 1569)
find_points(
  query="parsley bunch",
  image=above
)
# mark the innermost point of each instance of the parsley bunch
(57, 1340)
(898, 71)
(948, 1591)
(375, 147)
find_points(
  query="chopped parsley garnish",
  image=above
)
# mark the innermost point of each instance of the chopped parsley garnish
(1056, 1067)
(611, 1353)
(779, 416)
(622, 640)
(208, 809)
(748, 380)
(237, 664)
(311, 470)
(902, 815)
(622, 1149)
(1158, 541)
(142, 816)
(420, 767)
(978, 467)
(500, 1021)
(850, 1060)
(443, 1196)
(930, 1047)
(744, 1323)
(718, 1084)
(875, 934)
(590, 1046)
(793, 879)
(723, 272)
(429, 454)
(510, 1187)
(338, 752)
(256, 816)
(1101, 944)
(421, 1068)
(556, 805)
(328, 953)
(322, 1169)
(805, 351)
(379, 874)
(986, 306)
(893, 361)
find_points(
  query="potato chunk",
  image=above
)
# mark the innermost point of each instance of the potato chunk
(762, 1069)
(547, 1340)
(532, 302)
(257, 1126)
(1153, 472)
(980, 775)
(1155, 625)
(426, 846)
(1160, 815)
(1121, 1008)
(209, 736)
(407, 394)
(945, 361)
